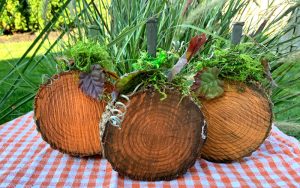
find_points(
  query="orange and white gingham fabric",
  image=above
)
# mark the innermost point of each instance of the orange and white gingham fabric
(27, 161)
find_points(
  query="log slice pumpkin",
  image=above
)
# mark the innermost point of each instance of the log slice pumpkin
(66, 118)
(238, 122)
(158, 139)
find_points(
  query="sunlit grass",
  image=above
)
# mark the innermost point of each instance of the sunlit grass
(12, 50)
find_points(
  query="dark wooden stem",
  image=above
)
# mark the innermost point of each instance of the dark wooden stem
(237, 32)
(152, 36)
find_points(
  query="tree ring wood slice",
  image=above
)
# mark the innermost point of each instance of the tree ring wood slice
(66, 118)
(238, 122)
(158, 139)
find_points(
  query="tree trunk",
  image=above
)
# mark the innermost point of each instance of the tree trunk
(238, 123)
(158, 139)
(66, 118)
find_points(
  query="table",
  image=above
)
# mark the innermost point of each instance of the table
(27, 161)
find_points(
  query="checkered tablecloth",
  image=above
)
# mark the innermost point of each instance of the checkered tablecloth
(27, 161)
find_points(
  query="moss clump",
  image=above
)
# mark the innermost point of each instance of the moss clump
(152, 72)
(160, 83)
(233, 65)
(163, 60)
(155, 79)
(84, 54)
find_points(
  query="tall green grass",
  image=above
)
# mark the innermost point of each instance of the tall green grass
(120, 25)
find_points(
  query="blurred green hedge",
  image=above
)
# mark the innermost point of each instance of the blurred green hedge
(29, 15)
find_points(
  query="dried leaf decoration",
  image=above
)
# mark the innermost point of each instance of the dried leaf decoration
(92, 83)
(194, 45)
(207, 84)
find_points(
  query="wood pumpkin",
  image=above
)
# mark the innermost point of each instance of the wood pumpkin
(67, 118)
(158, 139)
(238, 122)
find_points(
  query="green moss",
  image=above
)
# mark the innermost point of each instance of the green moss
(152, 72)
(155, 79)
(163, 60)
(233, 64)
(160, 83)
(85, 54)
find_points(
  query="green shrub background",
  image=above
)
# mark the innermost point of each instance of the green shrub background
(29, 15)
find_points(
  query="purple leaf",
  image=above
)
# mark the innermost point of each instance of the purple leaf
(92, 84)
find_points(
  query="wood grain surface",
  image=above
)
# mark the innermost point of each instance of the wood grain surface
(238, 123)
(66, 118)
(158, 139)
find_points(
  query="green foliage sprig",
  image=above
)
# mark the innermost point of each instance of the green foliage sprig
(155, 79)
(95, 64)
(207, 84)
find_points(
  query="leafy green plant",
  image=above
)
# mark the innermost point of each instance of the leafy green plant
(155, 71)
(93, 62)
(207, 83)
(128, 82)
(152, 79)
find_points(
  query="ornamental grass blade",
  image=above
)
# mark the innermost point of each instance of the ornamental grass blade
(20, 67)
(42, 36)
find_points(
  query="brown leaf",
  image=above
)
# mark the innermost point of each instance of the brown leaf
(177, 67)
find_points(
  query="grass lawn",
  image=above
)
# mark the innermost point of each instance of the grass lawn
(14, 46)
(14, 50)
